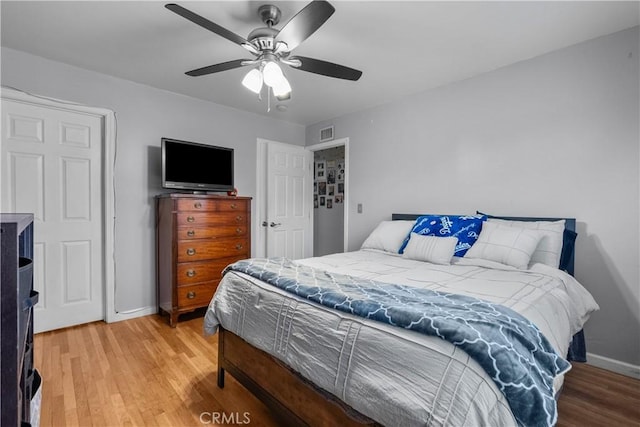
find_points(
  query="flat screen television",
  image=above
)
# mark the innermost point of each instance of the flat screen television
(197, 167)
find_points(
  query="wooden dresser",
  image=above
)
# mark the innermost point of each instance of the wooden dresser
(197, 237)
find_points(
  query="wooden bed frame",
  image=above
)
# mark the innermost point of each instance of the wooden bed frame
(293, 400)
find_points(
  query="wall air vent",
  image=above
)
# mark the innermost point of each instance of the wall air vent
(326, 134)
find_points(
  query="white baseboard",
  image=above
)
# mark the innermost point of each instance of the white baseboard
(132, 314)
(613, 365)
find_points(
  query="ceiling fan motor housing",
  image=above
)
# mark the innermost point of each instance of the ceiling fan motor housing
(263, 38)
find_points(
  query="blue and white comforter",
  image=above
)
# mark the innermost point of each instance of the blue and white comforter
(526, 379)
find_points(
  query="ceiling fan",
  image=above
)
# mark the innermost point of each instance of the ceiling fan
(272, 47)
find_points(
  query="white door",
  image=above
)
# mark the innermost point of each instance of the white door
(51, 167)
(289, 201)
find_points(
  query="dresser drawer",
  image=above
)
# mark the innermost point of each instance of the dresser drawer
(187, 233)
(196, 204)
(232, 205)
(212, 205)
(209, 219)
(196, 295)
(196, 250)
(202, 271)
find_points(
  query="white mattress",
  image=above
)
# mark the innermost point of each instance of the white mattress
(395, 376)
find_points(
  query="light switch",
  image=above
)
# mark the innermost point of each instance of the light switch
(359, 207)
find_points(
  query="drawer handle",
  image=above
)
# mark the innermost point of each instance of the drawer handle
(239, 246)
(190, 219)
(238, 230)
(191, 251)
(197, 205)
(191, 273)
(191, 295)
(233, 206)
(191, 233)
(239, 218)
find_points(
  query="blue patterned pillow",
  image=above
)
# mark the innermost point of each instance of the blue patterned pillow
(465, 227)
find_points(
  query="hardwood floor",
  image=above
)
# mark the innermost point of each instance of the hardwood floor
(596, 397)
(142, 372)
(136, 372)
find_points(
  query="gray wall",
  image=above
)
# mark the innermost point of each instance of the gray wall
(328, 224)
(555, 135)
(144, 115)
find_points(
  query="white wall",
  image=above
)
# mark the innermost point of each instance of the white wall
(555, 135)
(144, 115)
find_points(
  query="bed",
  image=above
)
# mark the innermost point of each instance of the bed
(315, 364)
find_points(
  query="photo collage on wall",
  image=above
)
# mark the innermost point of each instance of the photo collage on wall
(328, 185)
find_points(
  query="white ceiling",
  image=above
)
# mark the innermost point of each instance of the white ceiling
(401, 47)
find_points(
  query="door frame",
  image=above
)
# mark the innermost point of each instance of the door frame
(259, 246)
(330, 144)
(108, 190)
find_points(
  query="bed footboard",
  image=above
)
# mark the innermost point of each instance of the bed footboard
(292, 399)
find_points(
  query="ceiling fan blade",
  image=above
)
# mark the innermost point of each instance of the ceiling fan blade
(305, 23)
(223, 66)
(205, 23)
(325, 68)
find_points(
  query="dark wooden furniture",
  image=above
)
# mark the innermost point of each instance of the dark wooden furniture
(293, 400)
(19, 381)
(197, 237)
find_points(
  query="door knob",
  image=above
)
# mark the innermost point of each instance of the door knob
(265, 223)
(274, 224)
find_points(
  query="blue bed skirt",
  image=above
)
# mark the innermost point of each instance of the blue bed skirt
(577, 348)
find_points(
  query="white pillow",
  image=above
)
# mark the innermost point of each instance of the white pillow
(507, 245)
(388, 236)
(549, 249)
(434, 249)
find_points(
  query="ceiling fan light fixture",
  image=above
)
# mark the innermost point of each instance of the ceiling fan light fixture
(272, 74)
(253, 80)
(282, 89)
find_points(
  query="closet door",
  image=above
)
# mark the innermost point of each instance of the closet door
(52, 167)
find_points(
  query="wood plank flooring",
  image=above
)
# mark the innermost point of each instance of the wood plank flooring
(142, 372)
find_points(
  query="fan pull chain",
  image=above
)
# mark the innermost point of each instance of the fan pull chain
(268, 99)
